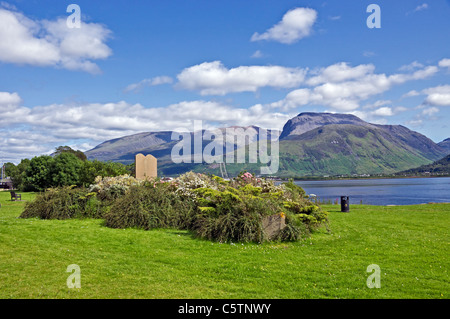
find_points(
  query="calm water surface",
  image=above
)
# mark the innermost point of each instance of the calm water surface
(404, 191)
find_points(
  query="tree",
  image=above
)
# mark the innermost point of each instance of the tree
(91, 169)
(67, 149)
(38, 175)
(17, 174)
(65, 170)
(10, 169)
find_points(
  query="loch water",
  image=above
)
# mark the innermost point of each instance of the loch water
(397, 191)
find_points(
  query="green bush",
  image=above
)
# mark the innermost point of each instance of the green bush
(150, 206)
(230, 215)
(63, 203)
(209, 206)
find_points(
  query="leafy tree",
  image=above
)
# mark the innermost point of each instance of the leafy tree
(67, 149)
(17, 174)
(38, 175)
(65, 170)
(10, 169)
(91, 169)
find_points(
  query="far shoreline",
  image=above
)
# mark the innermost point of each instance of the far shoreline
(312, 179)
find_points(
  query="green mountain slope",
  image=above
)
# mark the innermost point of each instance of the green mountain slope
(440, 167)
(344, 149)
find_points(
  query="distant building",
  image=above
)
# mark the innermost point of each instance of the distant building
(6, 183)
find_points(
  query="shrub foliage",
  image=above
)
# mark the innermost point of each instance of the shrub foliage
(64, 203)
(209, 206)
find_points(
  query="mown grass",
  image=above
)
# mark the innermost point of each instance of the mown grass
(409, 243)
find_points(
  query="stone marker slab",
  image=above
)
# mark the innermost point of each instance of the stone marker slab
(273, 224)
(146, 167)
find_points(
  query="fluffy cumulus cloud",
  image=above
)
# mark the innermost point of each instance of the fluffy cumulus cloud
(383, 111)
(26, 132)
(438, 96)
(25, 41)
(339, 72)
(340, 86)
(9, 100)
(343, 87)
(295, 25)
(213, 78)
(444, 63)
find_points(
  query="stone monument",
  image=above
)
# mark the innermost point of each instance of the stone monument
(273, 224)
(146, 167)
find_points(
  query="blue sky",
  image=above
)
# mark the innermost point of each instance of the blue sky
(137, 66)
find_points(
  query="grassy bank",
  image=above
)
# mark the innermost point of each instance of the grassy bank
(409, 243)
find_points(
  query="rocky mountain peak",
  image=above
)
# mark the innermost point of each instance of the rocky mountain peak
(308, 121)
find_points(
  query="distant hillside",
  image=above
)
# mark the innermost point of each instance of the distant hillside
(160, 145)
(440, 167)
(305, 122)
(311, 144)
(116, 150)
(445, 144)
(345, 149)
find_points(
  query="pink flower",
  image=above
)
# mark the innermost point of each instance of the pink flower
(247, 175)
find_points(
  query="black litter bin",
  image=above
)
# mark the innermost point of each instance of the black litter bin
(345, 204)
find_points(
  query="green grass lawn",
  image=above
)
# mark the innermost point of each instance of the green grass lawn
(409, 243)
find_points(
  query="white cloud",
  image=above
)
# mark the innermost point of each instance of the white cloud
(213, 78)
(159, 80)
(383, 111)
(438, 96)
(421, 7)
(378, 104)
(9, 100)
(340, 72)
(257, 54)
(400, 109)
(412, 66)
(444, 63)
(27, 132)
(415, 123)
(51, 43)
(295, 25)
(411, 94)
(430, 111)
(343, 88)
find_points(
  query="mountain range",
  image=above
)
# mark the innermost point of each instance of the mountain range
(310, 144)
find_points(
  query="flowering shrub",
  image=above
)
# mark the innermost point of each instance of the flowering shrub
(109, 188)
(104, 183)
(187, 183)
(209, 206)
